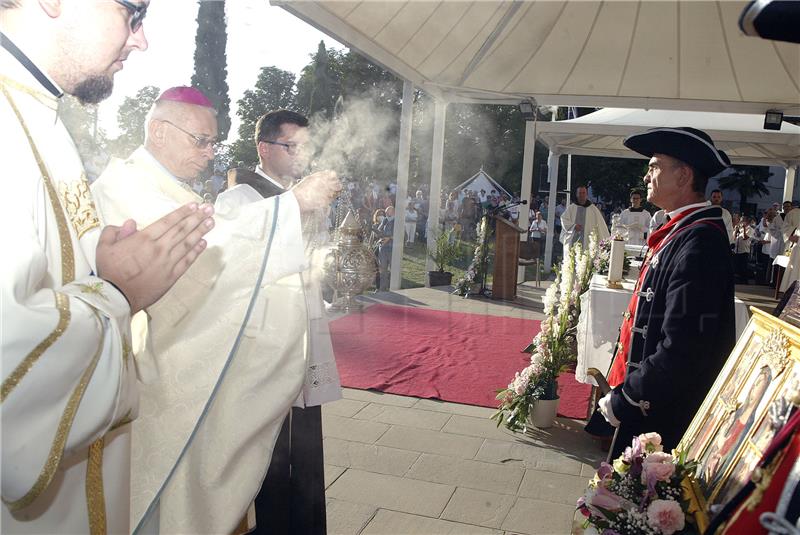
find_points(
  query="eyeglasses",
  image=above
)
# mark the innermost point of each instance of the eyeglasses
(137, 11)
(291, 148)
(201, 143)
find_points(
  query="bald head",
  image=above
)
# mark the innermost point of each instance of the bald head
(181, 137)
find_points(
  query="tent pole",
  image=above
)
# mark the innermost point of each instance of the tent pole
(552, 177)
(434, 202)
(403, 157)
(527, 185)
(569, 178)
(788, 186)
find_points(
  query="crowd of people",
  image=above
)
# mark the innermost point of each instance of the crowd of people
(755, 240)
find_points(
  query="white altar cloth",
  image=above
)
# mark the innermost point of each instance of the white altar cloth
(601, 317)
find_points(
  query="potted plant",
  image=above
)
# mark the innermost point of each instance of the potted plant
(443, 254)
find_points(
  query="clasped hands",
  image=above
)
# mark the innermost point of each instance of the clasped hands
(144, 264)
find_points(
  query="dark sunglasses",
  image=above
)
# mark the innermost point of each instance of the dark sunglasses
(137, 11)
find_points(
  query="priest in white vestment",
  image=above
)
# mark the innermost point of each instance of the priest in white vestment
(636, 220)
(791, 224)
(224, 340)
(582, 218)
(791, 235)
(68, 381)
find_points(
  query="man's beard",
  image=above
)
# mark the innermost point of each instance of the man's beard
(93, 89)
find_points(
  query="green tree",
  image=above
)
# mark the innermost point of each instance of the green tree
(81, 122)
(274, 89)
(748, 181)
(318, 86)
(130, 120)
(210, 63)
(612, 179)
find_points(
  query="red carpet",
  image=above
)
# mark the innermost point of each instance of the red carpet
(451, 356)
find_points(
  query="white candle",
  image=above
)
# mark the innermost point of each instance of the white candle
(617, 260)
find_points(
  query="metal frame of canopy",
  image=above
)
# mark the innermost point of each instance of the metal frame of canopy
(680, 55)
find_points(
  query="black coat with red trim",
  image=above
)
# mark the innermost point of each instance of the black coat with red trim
(690, 331)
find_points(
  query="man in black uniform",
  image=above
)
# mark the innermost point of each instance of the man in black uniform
(679, 327)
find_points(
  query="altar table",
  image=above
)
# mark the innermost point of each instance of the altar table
(601, 316)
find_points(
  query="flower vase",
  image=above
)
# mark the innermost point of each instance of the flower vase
(542, 414)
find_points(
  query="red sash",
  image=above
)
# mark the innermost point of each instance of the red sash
(655, 242)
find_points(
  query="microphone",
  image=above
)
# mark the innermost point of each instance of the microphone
(508, 205)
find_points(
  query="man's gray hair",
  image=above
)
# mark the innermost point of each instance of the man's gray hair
(165, 110)
(8, 4)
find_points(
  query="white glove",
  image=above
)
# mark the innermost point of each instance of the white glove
(605, 410)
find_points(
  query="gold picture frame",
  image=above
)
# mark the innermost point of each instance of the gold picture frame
(737, 419)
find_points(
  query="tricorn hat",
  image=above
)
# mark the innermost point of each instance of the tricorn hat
(689, 145)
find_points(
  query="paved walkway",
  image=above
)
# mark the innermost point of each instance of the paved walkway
(403, 465)
(398, 465)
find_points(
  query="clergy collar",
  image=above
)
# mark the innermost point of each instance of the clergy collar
(586, 205)
(45, 81)
(261, 172)
(632, 209)
(677, 211)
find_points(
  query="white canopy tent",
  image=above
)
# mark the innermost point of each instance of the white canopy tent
(687, 55)
(740, 135)
(482, 181)
(670, 55)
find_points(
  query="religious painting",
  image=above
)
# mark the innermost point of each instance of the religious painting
(746, 407)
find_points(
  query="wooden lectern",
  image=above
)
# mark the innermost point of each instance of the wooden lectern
(506, 258)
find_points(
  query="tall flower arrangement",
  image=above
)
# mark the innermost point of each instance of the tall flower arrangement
(555, 347)
(475, 271)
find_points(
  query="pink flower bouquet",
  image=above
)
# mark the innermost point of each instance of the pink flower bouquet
(641, 493)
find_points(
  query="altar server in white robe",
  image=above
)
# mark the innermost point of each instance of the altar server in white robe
(68, 381)
(582, 218)
(716, 200)
(637, 220)
(200, 450)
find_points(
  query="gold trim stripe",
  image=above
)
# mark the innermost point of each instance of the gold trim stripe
(64, 315)
(60, 440)
(67, 253)
(95, 499)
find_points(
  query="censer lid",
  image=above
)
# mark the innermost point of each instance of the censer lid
(350, 222)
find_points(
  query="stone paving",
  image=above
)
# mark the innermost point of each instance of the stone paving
(402, 465)
(396, 465)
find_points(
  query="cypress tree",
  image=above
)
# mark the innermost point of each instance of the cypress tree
(210, 62)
